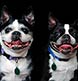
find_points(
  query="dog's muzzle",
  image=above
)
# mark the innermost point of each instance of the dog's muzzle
(16, 45)
(16, 36)
(64, 48)
(65, 39)
(16, 42)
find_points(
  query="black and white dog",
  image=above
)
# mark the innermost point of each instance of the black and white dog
(62, 51)
(16, 37)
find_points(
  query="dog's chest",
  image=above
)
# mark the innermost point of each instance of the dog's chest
(64, 70)
(8, 68)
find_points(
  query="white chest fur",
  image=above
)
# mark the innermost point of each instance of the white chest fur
(64, 71)
(8, 66)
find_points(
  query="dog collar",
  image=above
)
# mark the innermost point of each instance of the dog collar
(54, 56)
(9, 56)
(17, 70)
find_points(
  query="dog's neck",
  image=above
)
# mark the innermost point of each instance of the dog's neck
(58, 55)
(10, 57)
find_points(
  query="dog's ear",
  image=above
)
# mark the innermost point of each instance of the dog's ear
(29, 16)
(4, 16)
(52, 21)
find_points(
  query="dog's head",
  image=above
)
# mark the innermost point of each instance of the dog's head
(63, 37)
(16, 35)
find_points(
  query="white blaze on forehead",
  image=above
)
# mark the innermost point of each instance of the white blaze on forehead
(66, 27)
(15, 23)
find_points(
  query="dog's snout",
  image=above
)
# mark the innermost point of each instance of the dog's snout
(66, 38)
(16, 35)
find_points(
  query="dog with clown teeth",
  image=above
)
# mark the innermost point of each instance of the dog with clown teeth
(61, 56)
(16, 37)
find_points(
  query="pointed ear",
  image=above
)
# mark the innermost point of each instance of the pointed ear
(4, 17)
(52, 21)
(29, 16)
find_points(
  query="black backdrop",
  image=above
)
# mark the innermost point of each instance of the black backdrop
(64, 11)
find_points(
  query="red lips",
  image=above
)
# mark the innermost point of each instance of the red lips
(67, 47)
(17, 43)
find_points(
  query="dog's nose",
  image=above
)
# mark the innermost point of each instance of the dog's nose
(66, 38)
(16, 35)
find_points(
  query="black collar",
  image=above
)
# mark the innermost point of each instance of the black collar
(11, 57)
(2, 52)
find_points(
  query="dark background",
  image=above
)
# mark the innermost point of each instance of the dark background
(64, 11)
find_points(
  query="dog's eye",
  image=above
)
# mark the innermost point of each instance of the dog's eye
(7, 30)
(59, 32)
(25, 30)
(72, 32)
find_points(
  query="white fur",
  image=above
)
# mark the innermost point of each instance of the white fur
(7, 37)
(8, 66)
(65, 69)
(16, 26)
(66, 27)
